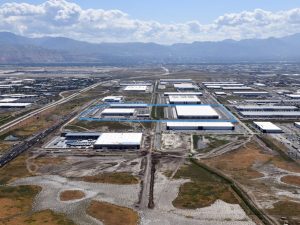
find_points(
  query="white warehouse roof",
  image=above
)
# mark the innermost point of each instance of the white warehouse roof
(237, 88)
(113, 98)
(223, 84)
(8, 100)
(136, 88)
(219, 82)
(182, 93)
(293, 95)
(251, 92)
(266, 107)
(14, 105)
(204, 125)
(184, 98)
(267, 126)
(185, 86)
(270, 113)
(118, 111)
(119, 139)
(204, 111)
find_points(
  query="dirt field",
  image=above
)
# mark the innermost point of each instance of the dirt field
(112, 178)
(204, 189)
(15, 169)
(46, 217)
(111, 214)
(70, 195)
(16, 208)
(265, 175)
(291, 180)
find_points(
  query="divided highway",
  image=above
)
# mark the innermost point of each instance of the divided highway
(13, 123)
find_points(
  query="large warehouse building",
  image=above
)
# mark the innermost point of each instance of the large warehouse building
(185, 86)
(196, 112)
(136, 88)
(119, 141)
(184, 99)
(251, 93)
(14, 105)
(267, 127)
(183, 93)
(200, 126)
(128, 105)
(118, 112)
(113, 99)
(266, 108)
(271, 114)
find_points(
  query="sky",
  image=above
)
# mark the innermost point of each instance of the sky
(161, 21)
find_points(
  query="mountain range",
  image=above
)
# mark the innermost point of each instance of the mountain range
(15, 49)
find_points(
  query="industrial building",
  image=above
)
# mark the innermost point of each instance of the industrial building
(297, 124)
(200, 126)
(196, 112)
(113, 99)
(266, 108)
(264, 101)
(236, 88)
(81, 135)
(128, 105)
(18, 96)
(294, 96)
(15, 105)
(251, 93)
(184, 99)
(271, 114)
(141, 88)
(220, 93)
(185, 86)
(135, 83)
(183, 93)
(222, 84)
(219, 82)
(119, 141)
(213, 87)
(7, 100)
(118, 112)
(267, 127)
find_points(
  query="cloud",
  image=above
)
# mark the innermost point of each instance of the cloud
(64, 18)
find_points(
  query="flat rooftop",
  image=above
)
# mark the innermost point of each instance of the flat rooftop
(17, 96)
(12, 104)
(118, 111)
(184, 98)
(200, 124)
(136, 88)
(223, 84)
(204, 111)
(219, 82)
(270, 113)
(8, 100)
(293, 95)
(237, 88)
(267, 126)
(119, 139)
(113, 98)
(185, 86)
(220, 93)
(128, 105)
(251, 92)
(265, 107)
(183, 93)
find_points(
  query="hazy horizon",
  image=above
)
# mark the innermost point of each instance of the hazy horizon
(162, 23)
